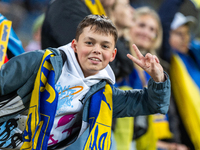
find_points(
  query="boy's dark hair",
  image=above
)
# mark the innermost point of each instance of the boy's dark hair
(101, 23)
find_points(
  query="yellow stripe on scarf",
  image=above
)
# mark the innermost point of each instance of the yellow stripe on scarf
(96, 8)
(187, 96)
(5, 27)
(102, 126)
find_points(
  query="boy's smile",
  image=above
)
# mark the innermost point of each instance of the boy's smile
(94, 50)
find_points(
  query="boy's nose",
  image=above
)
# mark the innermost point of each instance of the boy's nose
(96, 49)
(97, 52)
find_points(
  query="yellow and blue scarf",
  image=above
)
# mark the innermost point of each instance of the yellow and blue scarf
(42, 108)
(95, 7)
(187, 97)
(5, 27)
(100, 120)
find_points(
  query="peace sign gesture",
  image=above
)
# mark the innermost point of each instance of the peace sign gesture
(149, 63)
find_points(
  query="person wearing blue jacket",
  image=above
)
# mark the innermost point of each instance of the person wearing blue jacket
(68, 89)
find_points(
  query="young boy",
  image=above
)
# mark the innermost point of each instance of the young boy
(73, 89)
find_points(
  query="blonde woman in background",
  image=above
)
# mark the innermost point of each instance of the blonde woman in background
(146, 33)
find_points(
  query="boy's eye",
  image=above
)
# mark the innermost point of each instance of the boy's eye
(105, 46)
(88, 43)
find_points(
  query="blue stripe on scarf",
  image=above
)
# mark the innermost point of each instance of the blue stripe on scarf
(95, 107)
(47, 110)
(93, 1)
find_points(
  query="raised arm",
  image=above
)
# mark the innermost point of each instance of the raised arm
(146, 101)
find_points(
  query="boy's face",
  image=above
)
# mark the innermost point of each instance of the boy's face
(94, 50)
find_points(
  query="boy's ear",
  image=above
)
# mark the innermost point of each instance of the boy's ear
(114, 52)
(74, 45)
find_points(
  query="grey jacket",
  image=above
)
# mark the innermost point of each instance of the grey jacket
(18, 75)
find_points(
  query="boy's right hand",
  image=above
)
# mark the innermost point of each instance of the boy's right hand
(149, 63)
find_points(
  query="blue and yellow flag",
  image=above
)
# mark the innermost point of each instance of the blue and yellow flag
(42, 108)
(187, 97)
(100, 120)
(5, 27)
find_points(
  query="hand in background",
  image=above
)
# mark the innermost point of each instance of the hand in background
(149, 63)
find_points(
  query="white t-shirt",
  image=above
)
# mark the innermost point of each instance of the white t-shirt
(72, 87)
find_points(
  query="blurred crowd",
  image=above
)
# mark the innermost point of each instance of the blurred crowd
(163, 28)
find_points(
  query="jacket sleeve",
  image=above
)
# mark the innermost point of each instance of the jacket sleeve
(18, 70)
(151, 100)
